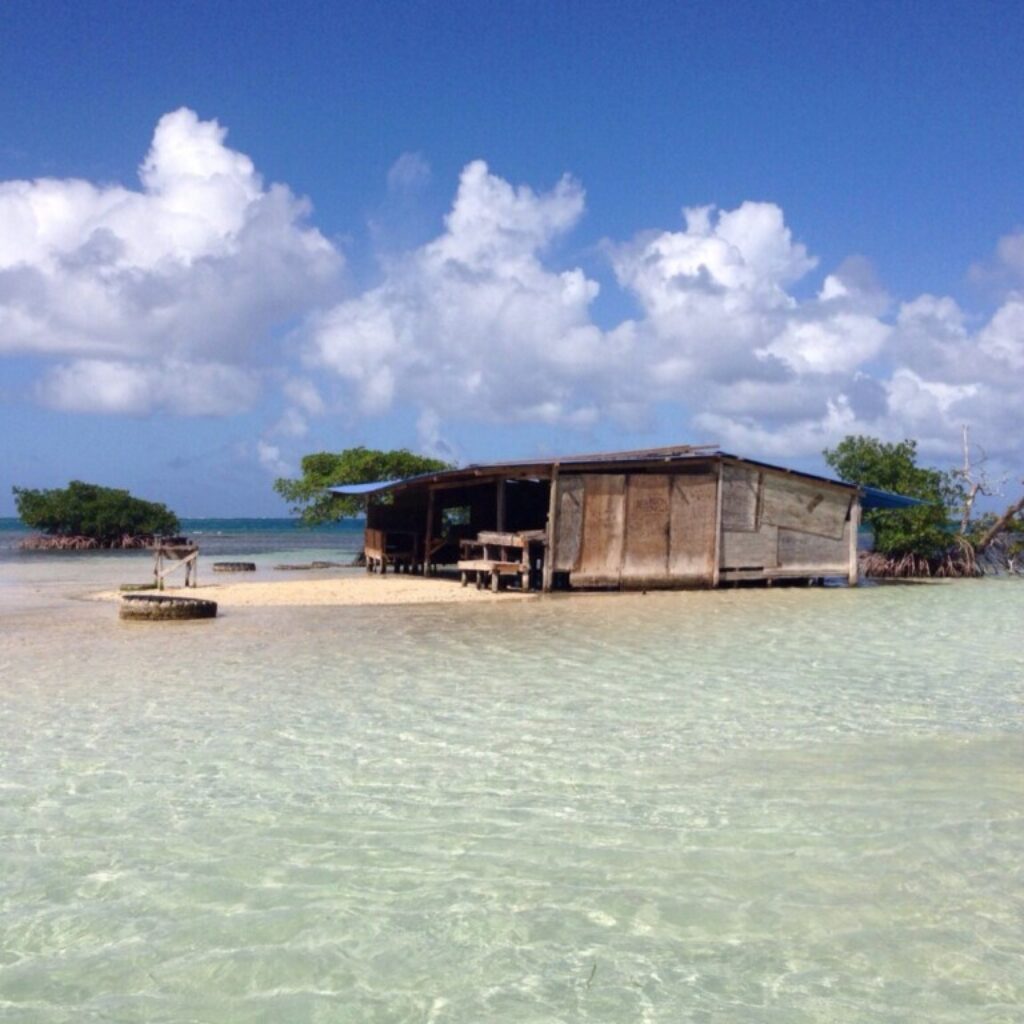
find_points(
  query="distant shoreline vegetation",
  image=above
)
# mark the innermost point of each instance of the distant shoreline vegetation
(86, 517)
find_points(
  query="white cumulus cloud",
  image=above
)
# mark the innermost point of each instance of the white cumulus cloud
(164, 296)
(131, 288)
(483, 322)
(472, 323)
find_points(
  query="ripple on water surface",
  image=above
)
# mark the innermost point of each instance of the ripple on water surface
(742, 806)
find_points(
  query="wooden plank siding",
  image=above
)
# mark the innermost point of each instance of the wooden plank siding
(646, 543)
(797, 504)
(814, 554)
(604, 505)
(747, 549)
(799, 527)
(569, 526)
(740, 494)
(640, 530)
(693, 528)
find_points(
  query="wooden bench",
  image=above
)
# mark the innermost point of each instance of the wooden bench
(396, 548)
(493, 556)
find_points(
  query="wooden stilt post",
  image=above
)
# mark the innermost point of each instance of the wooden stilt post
(716, 569)
(184, 555)
(427, 553)
(549, 551)
(854, 530)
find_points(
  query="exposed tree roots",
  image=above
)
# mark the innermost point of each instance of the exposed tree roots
(960, 562)
(43, 542)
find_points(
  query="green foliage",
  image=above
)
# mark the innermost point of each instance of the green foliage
(310, 499)
(925, 530)
(88, 510)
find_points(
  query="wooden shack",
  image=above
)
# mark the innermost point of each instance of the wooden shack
(684, 516)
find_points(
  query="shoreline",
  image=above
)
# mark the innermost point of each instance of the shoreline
(339, 592)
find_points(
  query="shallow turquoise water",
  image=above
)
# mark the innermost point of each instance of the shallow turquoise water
(218, 538)
(781, 806)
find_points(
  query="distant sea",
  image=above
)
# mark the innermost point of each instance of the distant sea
(226, 538)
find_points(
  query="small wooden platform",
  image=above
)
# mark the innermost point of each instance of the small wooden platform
(172, 554)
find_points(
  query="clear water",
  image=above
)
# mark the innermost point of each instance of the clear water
(40, 577)
(217, 538)
(764, 806)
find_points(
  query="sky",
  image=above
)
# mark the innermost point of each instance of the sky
(234, 234)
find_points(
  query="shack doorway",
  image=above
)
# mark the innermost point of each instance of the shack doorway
(433, 529)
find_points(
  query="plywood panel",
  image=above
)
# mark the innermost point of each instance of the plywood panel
(739, 497)
(818, 555)
(692, 527)
(645, 552)
(569, 523)
(796, 504)
(742, 549)
(604, 508)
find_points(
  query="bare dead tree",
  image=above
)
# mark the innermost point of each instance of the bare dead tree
(975, 480)
(1004, 522)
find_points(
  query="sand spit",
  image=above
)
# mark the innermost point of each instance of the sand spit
(354, 590)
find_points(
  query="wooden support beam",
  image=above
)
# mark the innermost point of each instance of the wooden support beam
(168, 560)
(854, 530)
(427, 549)
(552, 533)
(716, 567)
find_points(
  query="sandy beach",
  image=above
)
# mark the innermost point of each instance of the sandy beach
(347, 591)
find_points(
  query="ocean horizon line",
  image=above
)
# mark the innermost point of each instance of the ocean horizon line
(15, 523)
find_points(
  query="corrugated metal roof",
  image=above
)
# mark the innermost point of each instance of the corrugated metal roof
(872, 497)
(670, 453)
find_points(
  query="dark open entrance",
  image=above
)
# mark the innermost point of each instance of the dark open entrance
(433, 527)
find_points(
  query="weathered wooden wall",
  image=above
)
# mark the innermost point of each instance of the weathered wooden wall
(776, 524)
(637, 530)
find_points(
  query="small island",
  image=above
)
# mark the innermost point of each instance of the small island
(86, 517)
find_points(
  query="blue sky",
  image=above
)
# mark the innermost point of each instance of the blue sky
(232, 234)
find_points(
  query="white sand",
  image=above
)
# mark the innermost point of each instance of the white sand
(349, 590)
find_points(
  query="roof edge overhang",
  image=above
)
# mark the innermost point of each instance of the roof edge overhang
(875, 497)
(535, 468)
(652, 458)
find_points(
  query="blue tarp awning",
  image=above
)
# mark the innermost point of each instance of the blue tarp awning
(371, 488)
(872, 497)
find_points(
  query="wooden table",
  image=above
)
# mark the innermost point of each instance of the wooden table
(494, 556)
